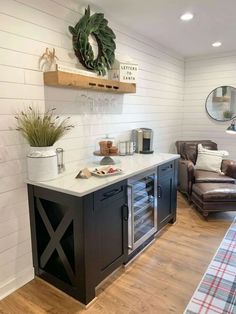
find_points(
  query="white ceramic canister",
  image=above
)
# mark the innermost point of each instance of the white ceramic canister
(42, 163)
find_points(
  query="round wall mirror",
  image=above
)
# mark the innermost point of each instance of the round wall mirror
(221, 103)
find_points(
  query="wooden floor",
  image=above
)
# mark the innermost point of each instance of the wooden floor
(161, 280)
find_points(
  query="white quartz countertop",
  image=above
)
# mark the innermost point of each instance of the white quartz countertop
(131, 165)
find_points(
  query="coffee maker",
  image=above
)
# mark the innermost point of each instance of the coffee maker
(143, 140)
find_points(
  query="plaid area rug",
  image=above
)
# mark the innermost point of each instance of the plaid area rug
(216, 292)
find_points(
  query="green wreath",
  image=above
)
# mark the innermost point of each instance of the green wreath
(97, 26)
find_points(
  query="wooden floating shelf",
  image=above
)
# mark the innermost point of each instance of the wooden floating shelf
(72, 80)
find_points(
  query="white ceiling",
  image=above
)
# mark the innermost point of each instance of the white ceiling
(214, 20)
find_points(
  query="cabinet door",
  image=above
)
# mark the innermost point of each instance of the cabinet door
(166, 194)
(111, 215)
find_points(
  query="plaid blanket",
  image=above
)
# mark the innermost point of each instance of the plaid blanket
(216, 292)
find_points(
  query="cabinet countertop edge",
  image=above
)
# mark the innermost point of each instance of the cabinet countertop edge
(131, 166)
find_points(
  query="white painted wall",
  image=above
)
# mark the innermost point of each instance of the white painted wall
(202, 75)
(27, 27)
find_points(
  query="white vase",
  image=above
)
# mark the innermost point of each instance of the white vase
(42, 163)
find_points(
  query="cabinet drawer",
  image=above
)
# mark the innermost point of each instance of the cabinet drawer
(166, 168)
(110, 194)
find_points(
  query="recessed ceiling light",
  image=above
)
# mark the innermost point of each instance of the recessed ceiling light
(217, 44)
(186, 16)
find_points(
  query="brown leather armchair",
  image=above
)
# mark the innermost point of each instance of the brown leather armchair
(206, 187)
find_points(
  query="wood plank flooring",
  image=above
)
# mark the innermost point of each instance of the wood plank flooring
(161, 280)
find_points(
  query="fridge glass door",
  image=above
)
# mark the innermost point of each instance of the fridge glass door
(143, 211)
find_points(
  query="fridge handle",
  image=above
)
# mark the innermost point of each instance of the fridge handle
(131, 218)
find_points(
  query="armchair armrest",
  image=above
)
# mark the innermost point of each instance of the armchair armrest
(229, 168)
(186, 176)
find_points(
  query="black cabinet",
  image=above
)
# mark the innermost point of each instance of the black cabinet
(166, 193)
(78, 241)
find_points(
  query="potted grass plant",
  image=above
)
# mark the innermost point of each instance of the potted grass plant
(41, 131)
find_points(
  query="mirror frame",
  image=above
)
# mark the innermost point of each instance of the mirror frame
(229, 119)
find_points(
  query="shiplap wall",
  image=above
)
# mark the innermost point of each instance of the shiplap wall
(202, 75)
(27, 27)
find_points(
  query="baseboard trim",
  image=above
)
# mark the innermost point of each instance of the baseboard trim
(15, 283)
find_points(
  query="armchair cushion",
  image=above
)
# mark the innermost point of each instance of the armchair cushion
(217, 192)
(202, 176)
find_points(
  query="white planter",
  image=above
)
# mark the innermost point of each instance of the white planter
(42, 164)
